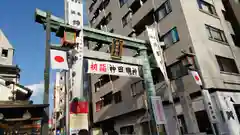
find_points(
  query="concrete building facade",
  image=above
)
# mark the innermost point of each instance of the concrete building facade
(10, 73)
(59, 100)
(197, 26)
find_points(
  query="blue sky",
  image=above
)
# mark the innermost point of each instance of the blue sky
(28, 39)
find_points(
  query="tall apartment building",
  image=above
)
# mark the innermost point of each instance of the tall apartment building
(201, 27)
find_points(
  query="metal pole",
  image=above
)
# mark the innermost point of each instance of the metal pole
(44, 128)
(67, 75)
(149, 86)
(66, 102)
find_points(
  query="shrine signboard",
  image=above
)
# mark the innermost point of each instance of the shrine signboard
(111, 68)
(116, 49)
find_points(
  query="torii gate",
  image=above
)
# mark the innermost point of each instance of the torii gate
(57, 25)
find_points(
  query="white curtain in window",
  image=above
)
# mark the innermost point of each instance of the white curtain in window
(216, 34)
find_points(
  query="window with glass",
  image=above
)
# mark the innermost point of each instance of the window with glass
(107, 99)
(126, 19)
(171, 37)
(206, 7)
(137, 87)
(127, 130)
(108, 18)
(227, 64)
(118, 97)
(216, 34)
(122, 2)
(104, 79)
(91, 7)
(4, 53)
(163, 10)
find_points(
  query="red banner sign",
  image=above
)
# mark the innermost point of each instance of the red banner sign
(79, 107)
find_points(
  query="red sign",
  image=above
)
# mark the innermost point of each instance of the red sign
(79, 107)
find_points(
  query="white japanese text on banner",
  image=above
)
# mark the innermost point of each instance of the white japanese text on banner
(103, 67)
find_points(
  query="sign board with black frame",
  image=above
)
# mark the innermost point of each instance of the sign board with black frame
(116, 49)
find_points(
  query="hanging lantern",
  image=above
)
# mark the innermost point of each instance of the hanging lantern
(187, 59)
(69, 38)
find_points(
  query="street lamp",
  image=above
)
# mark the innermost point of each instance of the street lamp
(187, 59)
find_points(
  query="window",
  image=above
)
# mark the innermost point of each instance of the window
(91, 7)
(99, 105)
(170, 37)
(104, 79)
(163, 10)
(107, 99)
(126, 19)
(236, 40)
(157, 75)
(177, 70)
(117, 97)
(127, 130)
(122, 2)
(108, 18)
(93, 21)
(206, 7)
(137, 87)
(136, 5)
(4, 53)
(227, 64)
(216, 34)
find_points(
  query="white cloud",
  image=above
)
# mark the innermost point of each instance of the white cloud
(38, 90)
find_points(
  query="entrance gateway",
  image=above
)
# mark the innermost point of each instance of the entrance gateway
(58, 25)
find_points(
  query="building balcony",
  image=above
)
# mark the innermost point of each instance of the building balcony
(96, 6)
(97, 20)
(127, 29)
(142, 12)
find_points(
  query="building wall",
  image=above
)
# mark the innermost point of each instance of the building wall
(235, 4)
(190, 23)
(5, 93)
(5, 46)
(205, 48)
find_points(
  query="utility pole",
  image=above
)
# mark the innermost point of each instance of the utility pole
(66, 102)
(44, 128)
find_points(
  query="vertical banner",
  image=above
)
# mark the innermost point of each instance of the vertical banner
(158, 110)
(158, 54)
(229, 114)
(75, 19)
(74, 14)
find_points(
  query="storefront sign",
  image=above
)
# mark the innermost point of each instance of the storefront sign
(102, 67)
(158, 110)
(77, 122)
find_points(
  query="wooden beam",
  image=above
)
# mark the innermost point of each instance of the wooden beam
(89, 54)
(90, 33)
